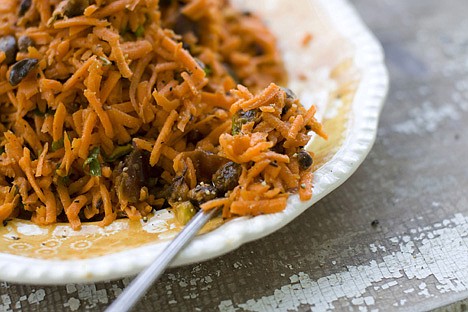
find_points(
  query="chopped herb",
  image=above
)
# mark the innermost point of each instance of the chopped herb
(184, 211)
(119, 152)
(241, 118)
(105, 61)
(206, 68)
(56, 145)
(2, 150)
(140, 31)
(93, 162)
(64, 180)
(208, 71)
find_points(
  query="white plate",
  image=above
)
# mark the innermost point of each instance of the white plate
(335, 26)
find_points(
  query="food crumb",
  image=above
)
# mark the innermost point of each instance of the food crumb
(307, 39)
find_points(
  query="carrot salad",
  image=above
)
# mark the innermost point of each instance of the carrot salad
(117, 108)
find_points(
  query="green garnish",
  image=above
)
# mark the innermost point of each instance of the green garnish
(56, 145)
(119, 151)
(206, 68)
(64, 180)
(2, 150)
(208, 71)
(140, 31)
(93, 162)
(184, 211)
(105, 61)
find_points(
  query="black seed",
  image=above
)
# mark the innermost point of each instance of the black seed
(24, 7)
(185, 46)
(375, 223)
(289, 93)
(258, 49)
(304, 159)
(24, 42)
(21, 69)
(8, 45)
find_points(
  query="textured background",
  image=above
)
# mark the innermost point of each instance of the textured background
(414, 182)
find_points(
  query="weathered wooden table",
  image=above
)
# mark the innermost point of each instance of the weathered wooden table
(414, 256)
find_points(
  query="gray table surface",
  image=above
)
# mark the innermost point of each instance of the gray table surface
(331, 257)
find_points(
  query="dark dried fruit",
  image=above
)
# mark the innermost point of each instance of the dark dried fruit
(258, 49)
(76, 7)
(205, 164)
(8, 46)
(21, 69)
(24, 42)
(183, 25)
(131, 175)
(202, 193)
(227, 177)
(304, 159)
(194, 136)
(179, 189)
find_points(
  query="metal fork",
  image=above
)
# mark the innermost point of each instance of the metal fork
(138, 287)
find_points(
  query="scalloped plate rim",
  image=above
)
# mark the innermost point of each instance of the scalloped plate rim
(370, 97)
